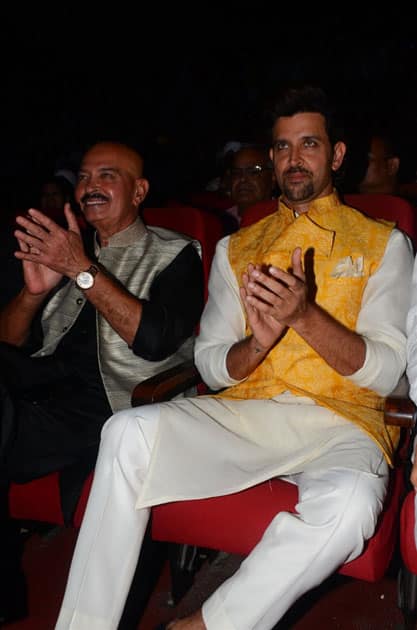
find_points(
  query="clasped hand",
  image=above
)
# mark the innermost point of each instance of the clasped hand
(274, 299)
(49, 251)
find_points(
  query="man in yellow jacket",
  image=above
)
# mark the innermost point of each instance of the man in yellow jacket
(303, 336)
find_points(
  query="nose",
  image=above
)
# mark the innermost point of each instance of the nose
(91, 185)
(295, 156)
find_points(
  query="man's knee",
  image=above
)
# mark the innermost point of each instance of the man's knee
(129, 428)
(349, 498)
(365, 500)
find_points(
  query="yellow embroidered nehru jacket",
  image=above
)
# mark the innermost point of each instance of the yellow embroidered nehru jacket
(341, 249)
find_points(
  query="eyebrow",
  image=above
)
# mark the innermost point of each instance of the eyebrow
(102, 168)
(310, 136)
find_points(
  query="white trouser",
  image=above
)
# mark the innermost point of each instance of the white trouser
(337, 511)
(112, 531)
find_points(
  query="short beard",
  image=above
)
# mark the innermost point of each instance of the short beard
(299, 193)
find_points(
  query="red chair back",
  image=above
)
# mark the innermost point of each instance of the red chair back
(209, 200)
(195, 222)
(258, 211)
(407, 539)
(388, 207)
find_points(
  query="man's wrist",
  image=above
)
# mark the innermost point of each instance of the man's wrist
(257, 347)
(85, 279)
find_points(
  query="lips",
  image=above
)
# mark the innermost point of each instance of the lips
(93, 200)
(296, 177)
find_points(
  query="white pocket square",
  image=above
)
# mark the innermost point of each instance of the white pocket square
(348, 268)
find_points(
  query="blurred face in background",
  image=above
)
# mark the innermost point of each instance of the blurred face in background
(53, 199)
(251, 178)
(54, 194)
(381, 174)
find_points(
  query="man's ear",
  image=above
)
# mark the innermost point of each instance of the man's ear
(141, 190)
(339, 151)
(393, 165)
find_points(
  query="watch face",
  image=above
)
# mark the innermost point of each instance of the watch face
(85, 280)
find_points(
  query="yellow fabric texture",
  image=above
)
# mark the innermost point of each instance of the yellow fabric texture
(341, 249)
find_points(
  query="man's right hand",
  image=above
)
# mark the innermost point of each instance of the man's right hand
(39, 279)
(265, 328)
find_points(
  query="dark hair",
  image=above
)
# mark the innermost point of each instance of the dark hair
(308, 99)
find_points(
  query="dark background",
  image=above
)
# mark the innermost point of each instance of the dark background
(178, 81)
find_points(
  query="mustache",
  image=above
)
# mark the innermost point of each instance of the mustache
(297, 169)
(93, 196)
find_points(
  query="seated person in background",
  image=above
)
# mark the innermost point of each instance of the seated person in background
(248, 178)
(375, 162)
(86, 327)
(55, 192)
(221, 183)
(381, 175)
(304, 334)
(252, 180)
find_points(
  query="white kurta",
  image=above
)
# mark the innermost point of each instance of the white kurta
(412, 361)
(239, 443)
(412, 337)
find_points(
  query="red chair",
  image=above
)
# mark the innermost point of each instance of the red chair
(389, 207)
(37, 500)
(258, 211)
(209, 200)
(215, 523)
(407, 579)
(195, 222)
